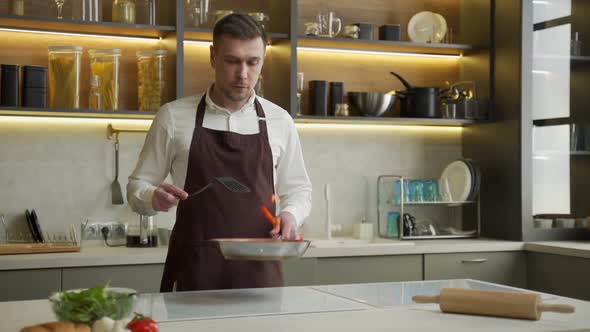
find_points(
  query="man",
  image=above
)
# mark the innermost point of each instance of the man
(227, 131)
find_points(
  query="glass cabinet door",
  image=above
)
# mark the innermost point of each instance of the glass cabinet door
(559, 102)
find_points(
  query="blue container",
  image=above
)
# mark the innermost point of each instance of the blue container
(391, 230)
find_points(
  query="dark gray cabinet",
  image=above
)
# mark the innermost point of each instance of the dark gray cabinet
(18, 285)
(143, 278)
(344, 270)
(506, 268)
(560, 275)
(299, 272)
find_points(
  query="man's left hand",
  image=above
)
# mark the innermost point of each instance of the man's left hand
(287, 228)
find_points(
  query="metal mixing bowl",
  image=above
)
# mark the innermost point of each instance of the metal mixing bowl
(372, 103)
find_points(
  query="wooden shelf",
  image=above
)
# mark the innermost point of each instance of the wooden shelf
(206, 34)
(383, 46)
(580, 59)
(383, 121)
(580, 153)
(40, 112)
(84, 27)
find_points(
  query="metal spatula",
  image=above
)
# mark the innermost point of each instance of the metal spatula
(117, 195)
(228, 182)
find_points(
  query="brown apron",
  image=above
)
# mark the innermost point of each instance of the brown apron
(192, 262)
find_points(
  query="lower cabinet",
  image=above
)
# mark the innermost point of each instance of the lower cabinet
(506, 268)
(19, 285)
(143, 278)
(560, 275)
(299, 272)
(347, 270)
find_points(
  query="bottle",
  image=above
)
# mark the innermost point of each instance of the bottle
(94, 94)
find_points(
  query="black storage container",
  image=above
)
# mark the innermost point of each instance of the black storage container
(9, 85)
(34, 86)
(336, 95)
(365, 30)
(318, 98)
(390, 32)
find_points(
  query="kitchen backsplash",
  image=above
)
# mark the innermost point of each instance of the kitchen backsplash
(64, 168)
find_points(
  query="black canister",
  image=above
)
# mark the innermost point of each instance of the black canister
(365, 30)
(336, 95)
(9, 85)
(390, 32)
(318, 98)
(34, 86)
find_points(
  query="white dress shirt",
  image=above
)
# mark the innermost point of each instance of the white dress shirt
(167, 146)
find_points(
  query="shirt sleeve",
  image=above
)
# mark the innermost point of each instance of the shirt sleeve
(153, 164)
(293, 184)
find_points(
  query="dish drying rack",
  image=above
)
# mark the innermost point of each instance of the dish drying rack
(23, 243)
(389, 204)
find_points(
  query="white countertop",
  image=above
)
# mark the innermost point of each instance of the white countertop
(565, 248)
(102, 256)
(359, 307)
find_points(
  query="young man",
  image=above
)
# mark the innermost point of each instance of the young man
(227, 131)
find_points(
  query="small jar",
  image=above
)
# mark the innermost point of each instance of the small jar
(150, 79)
(105, 64)
(145, 12)
(124, 11)
(18, 7)
(64, 76)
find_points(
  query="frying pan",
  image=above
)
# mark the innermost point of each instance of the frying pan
(260, 249)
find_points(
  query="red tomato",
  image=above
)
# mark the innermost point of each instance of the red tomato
(141, 323)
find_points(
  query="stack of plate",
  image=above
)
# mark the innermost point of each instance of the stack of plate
(460, 181)
(427, 27)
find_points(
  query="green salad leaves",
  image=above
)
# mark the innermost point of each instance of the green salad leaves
(89, 305)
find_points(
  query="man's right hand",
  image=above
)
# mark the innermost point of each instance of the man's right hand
(167, 196)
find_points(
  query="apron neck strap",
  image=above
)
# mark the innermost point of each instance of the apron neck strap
(259, 113)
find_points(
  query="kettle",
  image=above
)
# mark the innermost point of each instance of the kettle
(143, 233)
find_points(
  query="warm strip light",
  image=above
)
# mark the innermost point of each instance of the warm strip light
(207, 43)
(19, 120)
(343, 50)
(80, 34)
(145, 124)
(373, 127)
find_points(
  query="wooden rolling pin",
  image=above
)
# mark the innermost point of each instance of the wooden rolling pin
(492, 303)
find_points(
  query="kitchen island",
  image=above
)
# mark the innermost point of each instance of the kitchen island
(353, 307)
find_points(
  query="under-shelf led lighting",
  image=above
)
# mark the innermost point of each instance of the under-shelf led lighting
(81, 34)
(351, 51)
(17, 121)
(208, 43)
(376, 127)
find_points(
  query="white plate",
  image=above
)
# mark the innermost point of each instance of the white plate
(427, 27)
(421, 27)
(440, 28)
(459, 179)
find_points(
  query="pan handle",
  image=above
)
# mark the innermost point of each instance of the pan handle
(404, 82)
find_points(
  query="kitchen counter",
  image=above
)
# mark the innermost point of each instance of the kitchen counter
(356, 307)
(102, 256)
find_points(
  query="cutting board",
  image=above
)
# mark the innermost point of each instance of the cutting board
(35, 248)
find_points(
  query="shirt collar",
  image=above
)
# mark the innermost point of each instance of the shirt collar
(211, 104)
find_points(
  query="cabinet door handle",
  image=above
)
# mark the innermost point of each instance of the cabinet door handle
(475, 260)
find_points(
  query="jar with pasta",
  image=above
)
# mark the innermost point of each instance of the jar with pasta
(150, 79)
(64, 77)
(124, 11)
(104, 63)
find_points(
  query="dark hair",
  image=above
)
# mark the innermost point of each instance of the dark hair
(239, 26)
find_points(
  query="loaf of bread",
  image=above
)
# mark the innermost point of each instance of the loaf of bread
(57, 327)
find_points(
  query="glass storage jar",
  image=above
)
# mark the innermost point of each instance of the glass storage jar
(150, 79)
(123, 11)
(145, 12)
(64, 77)
(87, 10)
(104, 63)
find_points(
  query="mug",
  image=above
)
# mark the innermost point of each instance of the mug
(327, 22)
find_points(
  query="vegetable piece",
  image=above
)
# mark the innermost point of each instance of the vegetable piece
(141, 323)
